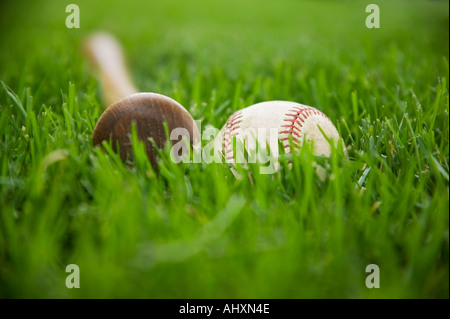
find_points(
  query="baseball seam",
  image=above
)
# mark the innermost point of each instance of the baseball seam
(231, 128)
(294, 120)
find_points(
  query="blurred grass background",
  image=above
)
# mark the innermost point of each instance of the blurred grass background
(195, 231)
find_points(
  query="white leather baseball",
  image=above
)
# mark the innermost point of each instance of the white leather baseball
(288, 119)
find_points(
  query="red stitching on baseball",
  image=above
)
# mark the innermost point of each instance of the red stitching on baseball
(300, 115)
(231, 127)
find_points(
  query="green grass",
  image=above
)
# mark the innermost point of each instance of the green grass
(194, 230)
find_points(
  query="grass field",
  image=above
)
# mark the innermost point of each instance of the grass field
(195, 230)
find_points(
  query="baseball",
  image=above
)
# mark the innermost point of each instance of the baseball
(256, 125)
